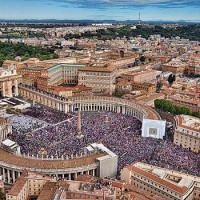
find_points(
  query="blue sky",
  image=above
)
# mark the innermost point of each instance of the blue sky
(101, 9)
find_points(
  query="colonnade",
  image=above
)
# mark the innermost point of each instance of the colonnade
(110, 107)
(10, 174)
(74, 175)
(4, 134)
(44, 99)
(93, 103)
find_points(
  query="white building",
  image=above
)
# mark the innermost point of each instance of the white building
(187, 132)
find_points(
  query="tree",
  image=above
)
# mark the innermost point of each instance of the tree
(168, 106)
(142, 59)
(171, 79)
(2, 195)
(118, 94)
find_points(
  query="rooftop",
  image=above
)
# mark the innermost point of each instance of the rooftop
(159, 176)
(189, 122)
(21, 181)
(134, 73)
(98, 69)
(12, 159)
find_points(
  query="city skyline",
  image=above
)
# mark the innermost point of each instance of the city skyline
(151, 10)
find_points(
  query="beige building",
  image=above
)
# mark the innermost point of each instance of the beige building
(186, 99)
(5, 128)
(167, 184)
(187, 132)
(147, 87)
(100, 79)
(9, 82)
(41, 187)
(141, 76)
(175, 66)
(78, 90)
(29, 184)
(124, 87)
(64, 73)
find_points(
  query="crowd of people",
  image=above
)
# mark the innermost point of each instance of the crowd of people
(48, 115)
(22, 124)
(118, 132)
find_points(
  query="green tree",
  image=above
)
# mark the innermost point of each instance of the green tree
(167, 106)
(2, 195)
(142, 59)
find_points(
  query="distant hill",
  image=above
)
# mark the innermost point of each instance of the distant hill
(94, 21)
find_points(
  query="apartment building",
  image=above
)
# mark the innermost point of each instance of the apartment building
(167, 184)
(141, 76)
(149, 88)
(32, 185)
(175, 66)
(100, 79)
(29, 184)
(187, 134)
(187, 99)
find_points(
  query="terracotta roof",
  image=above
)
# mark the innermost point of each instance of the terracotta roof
(124, 83)
(98, 69)
(21, 181)
(81, 88)
(48, 191)
(117, 184)
(134, 73)
(12, 159)
(180, 123)
(84, 178)
(2, 120)
(62, 88)
(181, 190)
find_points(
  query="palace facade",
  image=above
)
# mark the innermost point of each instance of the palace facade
(187, 133)
(9, 81)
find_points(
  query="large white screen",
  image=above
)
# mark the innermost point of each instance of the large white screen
(153, 128)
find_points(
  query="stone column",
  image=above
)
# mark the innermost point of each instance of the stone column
(75, 176)
(18, 174)
(123, 110)
(58, 106)
(93, 172)
(8, 174)
(16, 88)
(9, 85)
(3, 89)
(4, 175)
(13, 176)
(65, 108)
(1, 136)
(70, 177)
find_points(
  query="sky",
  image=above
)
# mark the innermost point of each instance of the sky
(149, 10)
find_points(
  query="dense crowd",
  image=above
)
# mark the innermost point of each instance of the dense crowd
(23, 124)
(118, 132)
(48, 115)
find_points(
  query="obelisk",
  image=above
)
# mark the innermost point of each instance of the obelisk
(79, 133)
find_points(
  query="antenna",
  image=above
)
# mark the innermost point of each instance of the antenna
(139, 19)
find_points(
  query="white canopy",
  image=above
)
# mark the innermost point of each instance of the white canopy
(9, 143)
